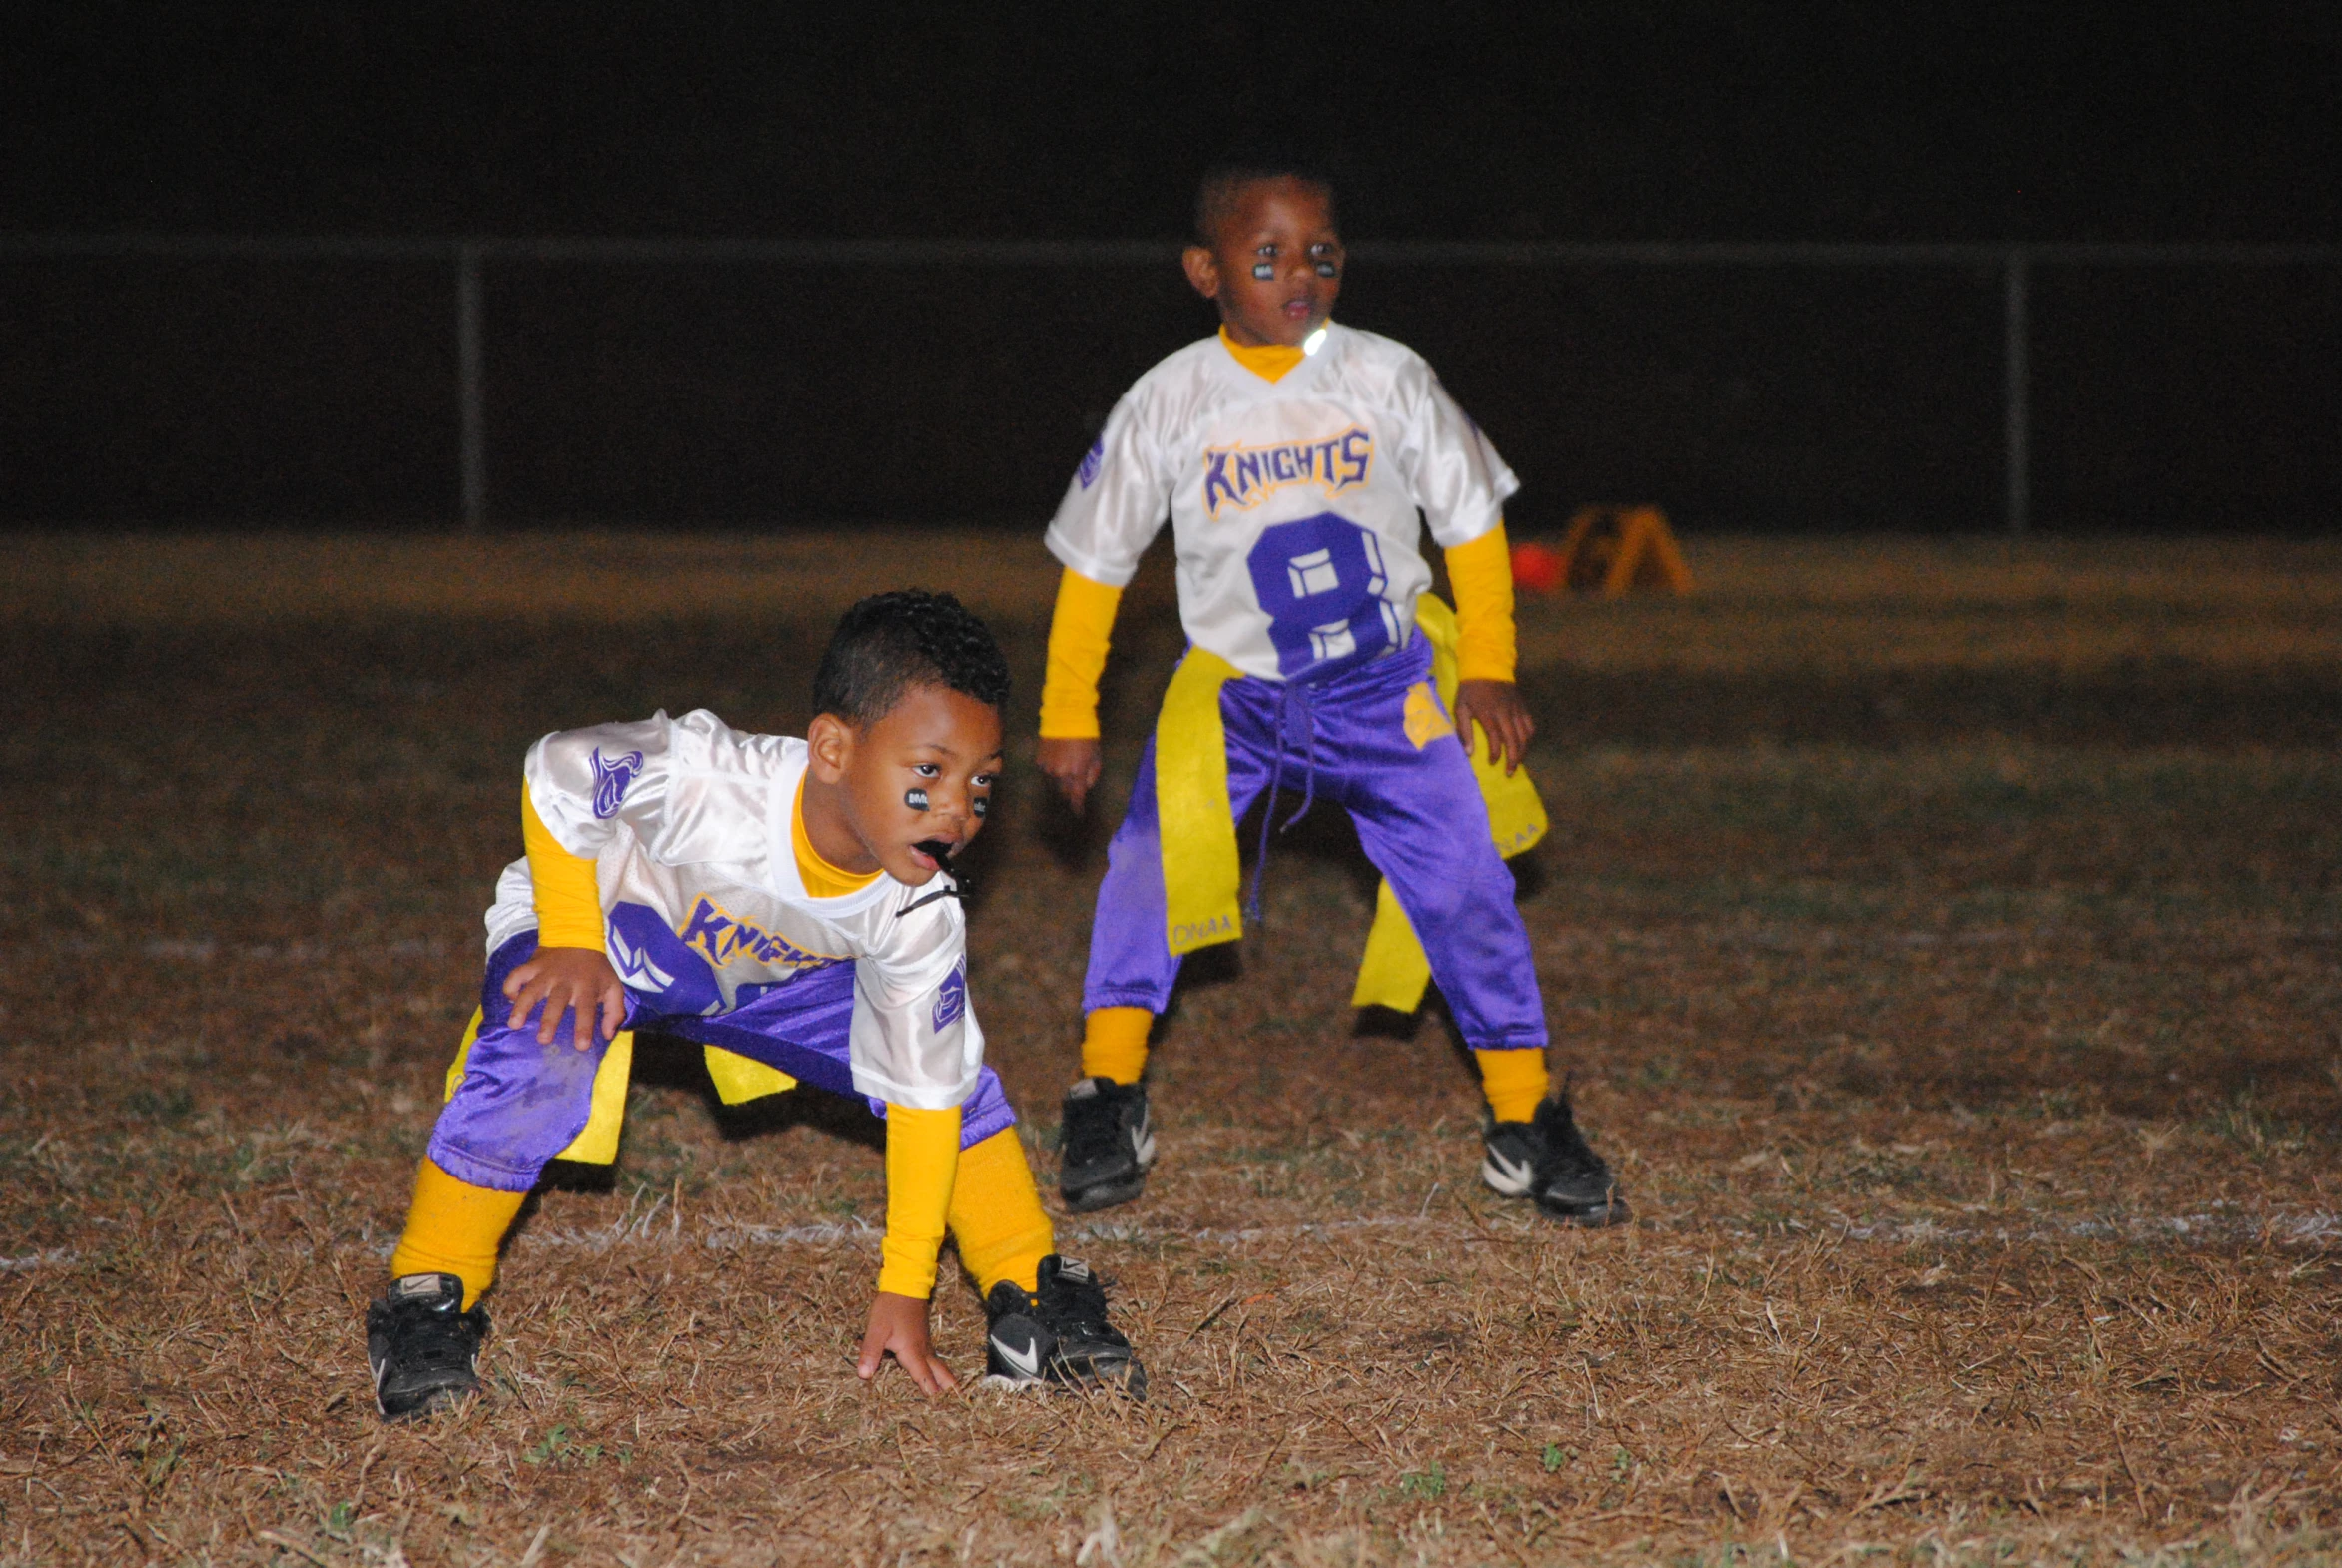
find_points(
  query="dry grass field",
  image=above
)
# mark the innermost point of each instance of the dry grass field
(1946, 941)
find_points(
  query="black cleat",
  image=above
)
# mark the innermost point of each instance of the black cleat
(1106, 1143)
(1547, 1160)
(421, 1345)
(1059, 1333)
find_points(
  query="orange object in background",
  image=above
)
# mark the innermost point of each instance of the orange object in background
(1610, 549)
(1536, 569)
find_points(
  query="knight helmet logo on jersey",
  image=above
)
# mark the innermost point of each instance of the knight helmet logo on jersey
(612, 777)
(951, 998)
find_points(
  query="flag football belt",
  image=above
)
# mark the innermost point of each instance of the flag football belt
(1196, 829)
(737, 1078)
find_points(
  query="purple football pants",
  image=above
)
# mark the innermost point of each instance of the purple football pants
(1420, 819)
(520, 1104)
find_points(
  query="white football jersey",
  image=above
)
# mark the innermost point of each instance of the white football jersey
(688, 824)
(1296, 505)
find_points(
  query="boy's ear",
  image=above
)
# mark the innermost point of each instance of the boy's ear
(1202, 270)
(829, 739)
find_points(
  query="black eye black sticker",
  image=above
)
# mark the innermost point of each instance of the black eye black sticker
(915, 799)
(1326, 269)
(1265, 270)
(980, 806)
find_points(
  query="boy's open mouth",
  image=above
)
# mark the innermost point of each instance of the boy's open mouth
(937, 853)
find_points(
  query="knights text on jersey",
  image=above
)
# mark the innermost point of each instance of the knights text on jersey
(688, 823)
(1294, 503)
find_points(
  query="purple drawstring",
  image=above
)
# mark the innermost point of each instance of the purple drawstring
(1297, 725)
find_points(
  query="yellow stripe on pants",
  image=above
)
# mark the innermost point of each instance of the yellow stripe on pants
(1196, 829)
(597, 1145)
(1395, 970)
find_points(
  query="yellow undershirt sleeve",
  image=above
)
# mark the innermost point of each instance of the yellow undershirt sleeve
(1080, 633)
(1481, 573)
(568, 895)
(997, 1219)
(923, 1160)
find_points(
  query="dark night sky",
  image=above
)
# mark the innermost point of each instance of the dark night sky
(1721, 118)
(140, 388)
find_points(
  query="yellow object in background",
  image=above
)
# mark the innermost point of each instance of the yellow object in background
(1611, 549)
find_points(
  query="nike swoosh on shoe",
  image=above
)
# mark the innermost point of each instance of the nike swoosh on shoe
(1521, 1176)
(1027, 1360)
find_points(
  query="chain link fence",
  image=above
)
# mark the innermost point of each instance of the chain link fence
(654, 382)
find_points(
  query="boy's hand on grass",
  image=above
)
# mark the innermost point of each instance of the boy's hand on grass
(567, 979)
(899, 1323)
(1497, 707)
(1073, 764)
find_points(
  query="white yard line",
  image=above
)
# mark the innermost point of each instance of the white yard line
(204, 950)
(2312, 1230)
(2213, 1228)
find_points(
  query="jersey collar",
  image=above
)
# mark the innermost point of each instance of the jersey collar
(1279, 363)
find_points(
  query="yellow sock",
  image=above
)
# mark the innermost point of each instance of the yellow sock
(995, 1215)
(1114, 1044)
(454, 1229)
(1513, 1081)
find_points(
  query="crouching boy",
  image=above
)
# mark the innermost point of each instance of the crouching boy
(788, 904)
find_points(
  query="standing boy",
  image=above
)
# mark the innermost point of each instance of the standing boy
(1297, 460)
(788, 904)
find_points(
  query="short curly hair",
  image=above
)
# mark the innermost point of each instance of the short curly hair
(1222, 187)
(891, 642)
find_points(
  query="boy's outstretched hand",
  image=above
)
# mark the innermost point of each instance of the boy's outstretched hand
(1497, 707)
(899, 1323)
(1073, 764)
(565, 979)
